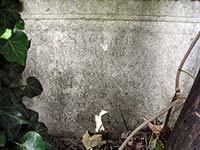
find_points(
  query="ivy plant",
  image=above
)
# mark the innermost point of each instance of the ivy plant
(19, 125)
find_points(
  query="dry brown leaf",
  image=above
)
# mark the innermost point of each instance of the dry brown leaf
(90, 142)
(124, 135)
(156, 129)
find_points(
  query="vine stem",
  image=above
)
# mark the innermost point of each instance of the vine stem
(181, 100)
(174, 100)
(189, 74)
(177, 85)
(177, 82)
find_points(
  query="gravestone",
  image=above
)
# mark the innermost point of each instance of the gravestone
(116, 55)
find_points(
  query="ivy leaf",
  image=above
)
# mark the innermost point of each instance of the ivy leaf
(159, 145)
(33, 87)
(10, 72)
(15, 48)
(11, 118)
(10, 11)
(4, 77)
(20, 25)
(33, 116)
(152, 144)
(9, 114)
(2, 139)
(32, 141)
(37, 126)
(16, 98)
(7, 34)
(2, 25)
(14, 71)
(13, 133)
(41, 128)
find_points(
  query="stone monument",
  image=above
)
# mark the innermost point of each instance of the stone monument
(115, 55)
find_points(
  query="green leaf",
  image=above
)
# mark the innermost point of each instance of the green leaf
(33, 116)
(35, 125)
(2, 25)
(41, 128)
(10, 11)
(20, 25)
(2, 139)
(33, 87)
(14, 71)
(13, 118)
(10, 115)
(4, 77)
(13, 133)
(152, 143)
(10, 72)
(15, 48)
(159, 145)
(16, 98)
(7, 34)
(32, 141)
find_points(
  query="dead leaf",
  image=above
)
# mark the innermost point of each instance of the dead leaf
(90, 142)
(124, 135)
(156, 129)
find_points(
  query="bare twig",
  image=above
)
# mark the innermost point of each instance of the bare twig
(121, 113)
(148, 121)
(168, 117)
(123, 118)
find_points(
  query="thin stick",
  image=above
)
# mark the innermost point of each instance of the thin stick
(148, 121)
(164, 129)
(123, 118)
(122, 115)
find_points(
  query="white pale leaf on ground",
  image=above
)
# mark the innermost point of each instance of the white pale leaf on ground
(99, 124)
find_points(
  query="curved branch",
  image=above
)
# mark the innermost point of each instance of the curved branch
(148, 121)
(174, 100)
(177, 86)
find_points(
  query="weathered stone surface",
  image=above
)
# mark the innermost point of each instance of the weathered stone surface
(107, 54)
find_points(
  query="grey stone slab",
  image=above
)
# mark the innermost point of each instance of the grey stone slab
(106, 54)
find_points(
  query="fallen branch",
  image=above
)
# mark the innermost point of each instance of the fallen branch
(181, 100)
